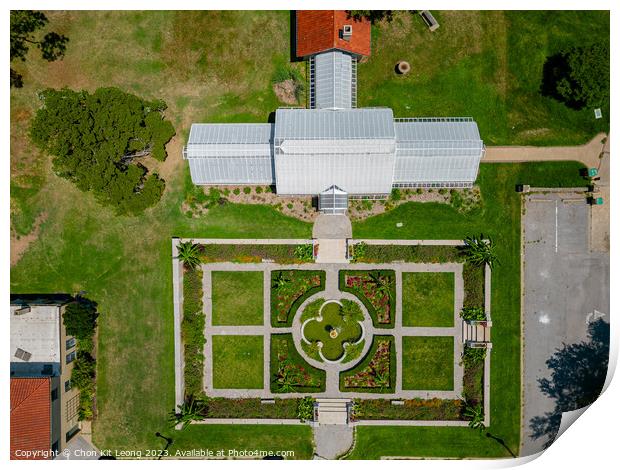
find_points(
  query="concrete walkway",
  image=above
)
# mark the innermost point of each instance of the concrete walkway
(588, 154)
(332, 441)
(332, 292)
(332, 226)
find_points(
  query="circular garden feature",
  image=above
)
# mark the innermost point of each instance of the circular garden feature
(336, 325)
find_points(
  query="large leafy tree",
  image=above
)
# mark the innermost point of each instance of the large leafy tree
(25, 25)
(99, 140)
(578, 76)
(80, 318)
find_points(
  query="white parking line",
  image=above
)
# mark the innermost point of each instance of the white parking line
(556, 225)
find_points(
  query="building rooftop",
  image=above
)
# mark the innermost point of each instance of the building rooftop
(31, 419)
(321, 30)
(333, 84)
(35, 338)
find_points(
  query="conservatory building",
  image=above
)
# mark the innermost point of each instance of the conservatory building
(334, 144)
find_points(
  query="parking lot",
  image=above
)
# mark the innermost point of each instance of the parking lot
(565, 287)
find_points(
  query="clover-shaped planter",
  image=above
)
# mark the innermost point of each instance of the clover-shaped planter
(332, 329)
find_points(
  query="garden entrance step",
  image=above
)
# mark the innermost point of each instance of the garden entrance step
(331, 250)
(332, 411)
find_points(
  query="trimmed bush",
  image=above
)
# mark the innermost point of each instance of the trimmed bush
(417, 409)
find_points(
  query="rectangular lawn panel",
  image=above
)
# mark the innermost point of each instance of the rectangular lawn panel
(237, 297)
(428, 363)
(237, 361)
(428, 299)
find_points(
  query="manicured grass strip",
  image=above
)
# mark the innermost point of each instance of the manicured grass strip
(237, 297)
(289, 371)
(428, 299)
(428, 362)
(237, 361)
(192, 331)
(376, 373)
(235, 440)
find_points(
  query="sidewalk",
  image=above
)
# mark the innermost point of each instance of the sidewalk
(588, 154)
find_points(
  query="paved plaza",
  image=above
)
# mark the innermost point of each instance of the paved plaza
(566, 286)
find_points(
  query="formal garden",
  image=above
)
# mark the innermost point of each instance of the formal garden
(384, 331)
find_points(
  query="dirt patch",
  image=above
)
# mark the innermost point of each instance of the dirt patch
(304, 207)
(19, 245)
(286, 91)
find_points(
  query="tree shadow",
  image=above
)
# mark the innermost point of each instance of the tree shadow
(577, 378)
(555, 70)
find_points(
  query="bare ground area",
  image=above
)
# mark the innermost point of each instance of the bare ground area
(19, 245)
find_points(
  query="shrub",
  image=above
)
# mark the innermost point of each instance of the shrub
(83, 377)
(290, 205)
(80, 318)
(473, 314)
(247, 190)
(473, 356)
(259, 189)
(305, 409)
(236, 191)
(396, 195)
(305, 252)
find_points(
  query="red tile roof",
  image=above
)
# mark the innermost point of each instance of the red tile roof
(30, 417)
(319, 30)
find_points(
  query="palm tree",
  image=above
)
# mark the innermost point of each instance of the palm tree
(479, 251)
(281, 282)
(382, 380)
(476, 417)
(383, 284)
(287, 377)
(190, 410)
(349, 311)
(189, 254)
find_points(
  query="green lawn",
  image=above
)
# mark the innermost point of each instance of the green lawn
(347, 331)
(237, 297)
(193, 61)
(428, 362)
(484, 64)
(238, 361)
(428, 299)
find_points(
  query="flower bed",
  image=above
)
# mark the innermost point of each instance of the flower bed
(192, 332)
(363, 253)
(289, 289)
(377, 290)
(417, 409)
(282, 254)
(376, 373)
(250, 408)
(289, 371)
